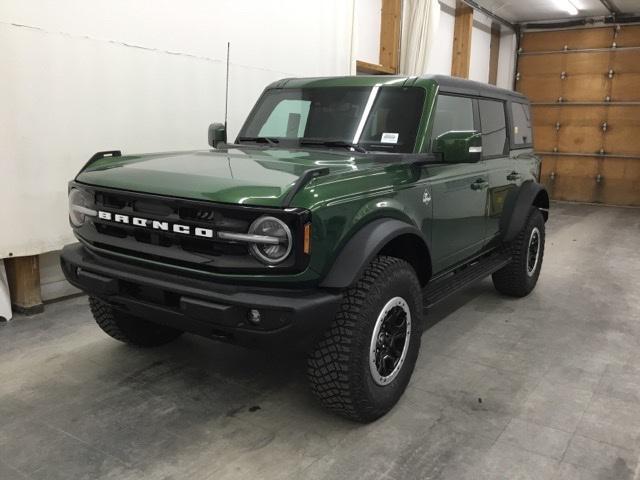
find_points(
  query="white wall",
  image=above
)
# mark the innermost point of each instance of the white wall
(78, 77)
(480, 48)
(506, 60)
(441, 55)
(440, 61)
(367, 30)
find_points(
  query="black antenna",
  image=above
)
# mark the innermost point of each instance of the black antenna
(226, 91)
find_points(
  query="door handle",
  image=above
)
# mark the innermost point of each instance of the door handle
(513, 176)
(479, 184)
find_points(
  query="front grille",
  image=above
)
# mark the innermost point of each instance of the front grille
(157, 209)
(211, 254)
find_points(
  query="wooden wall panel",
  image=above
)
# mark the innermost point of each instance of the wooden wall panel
(576, 179)
(625, 87)
(570, 178)
(544, 127)
(556, 40)
(623, 131)
(621, 182)
(535, 65)
(580, 129)
(540, 88)
(579, 142)
(585, 88)
(596, 63)
(546, 138)
(628, 36)
(626, 60)
(573, 88)
(545, 115)
(579, 138)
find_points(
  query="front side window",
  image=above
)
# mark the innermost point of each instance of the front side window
(376, 118)
(452, 113)
(521, 124)
(494, 128)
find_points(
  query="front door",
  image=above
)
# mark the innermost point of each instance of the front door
(458, 191)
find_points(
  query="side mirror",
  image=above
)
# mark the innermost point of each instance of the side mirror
(217, 134)
(459, 146)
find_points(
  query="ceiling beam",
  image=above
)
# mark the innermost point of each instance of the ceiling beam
(476, 6)
(611, 6)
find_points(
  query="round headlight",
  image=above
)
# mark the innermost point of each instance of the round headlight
(273, 252)
(80, 207)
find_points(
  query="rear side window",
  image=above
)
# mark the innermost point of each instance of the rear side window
(521, 124)
(494, 128)
(452, 113)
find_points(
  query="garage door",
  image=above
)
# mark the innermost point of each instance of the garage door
(584, 85)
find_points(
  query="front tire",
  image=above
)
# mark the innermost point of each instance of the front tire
(129, 329)
(519, 278)
(363, 363)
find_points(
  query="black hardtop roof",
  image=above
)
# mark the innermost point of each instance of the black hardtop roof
(450, 84)
(444, 82)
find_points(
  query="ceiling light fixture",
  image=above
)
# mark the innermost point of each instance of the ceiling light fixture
(568, 6)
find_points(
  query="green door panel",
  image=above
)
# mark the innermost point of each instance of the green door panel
(459, 195)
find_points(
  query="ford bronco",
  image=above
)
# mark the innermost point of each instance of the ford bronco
(345, 208)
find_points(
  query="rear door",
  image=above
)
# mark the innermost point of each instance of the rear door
(458, 190)
(495, 156)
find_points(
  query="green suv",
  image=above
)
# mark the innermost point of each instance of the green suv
(345, 208)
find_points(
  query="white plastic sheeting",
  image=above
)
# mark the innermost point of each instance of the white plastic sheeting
(419, 35)
(5, 299)
(79, 77)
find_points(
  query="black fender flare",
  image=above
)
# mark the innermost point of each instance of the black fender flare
(362, 247)
(517, 205)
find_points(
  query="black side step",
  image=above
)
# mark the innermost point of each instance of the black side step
(440, 288)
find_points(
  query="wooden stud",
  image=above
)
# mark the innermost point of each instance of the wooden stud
(494, 54)
(23, 275)
(373, 68)
(462, 41)
(390, 18)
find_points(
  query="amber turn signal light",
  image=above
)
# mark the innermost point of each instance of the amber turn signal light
(307, 239)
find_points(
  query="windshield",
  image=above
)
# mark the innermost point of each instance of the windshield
(375, 118)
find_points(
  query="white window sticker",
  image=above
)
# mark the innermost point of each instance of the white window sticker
(389, 138)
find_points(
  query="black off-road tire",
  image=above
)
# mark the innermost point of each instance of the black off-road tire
(129, 329)
(339, 367)
(515, 280)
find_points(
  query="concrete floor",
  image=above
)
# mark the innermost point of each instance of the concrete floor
(546, 387)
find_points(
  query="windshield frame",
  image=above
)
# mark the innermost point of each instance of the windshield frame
(354, 144)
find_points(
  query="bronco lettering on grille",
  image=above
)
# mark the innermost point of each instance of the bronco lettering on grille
(156, 224)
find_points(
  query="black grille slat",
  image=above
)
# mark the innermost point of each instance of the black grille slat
(111, 230)
(153, 208)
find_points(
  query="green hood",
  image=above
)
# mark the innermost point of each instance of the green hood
(250, 176)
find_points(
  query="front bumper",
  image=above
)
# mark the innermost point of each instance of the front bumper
(291, 317)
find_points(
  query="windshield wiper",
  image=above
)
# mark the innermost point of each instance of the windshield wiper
(334, 143)
(269, 140)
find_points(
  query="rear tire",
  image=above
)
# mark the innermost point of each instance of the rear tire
(519, 278)
(363, 363)
(129, 329)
